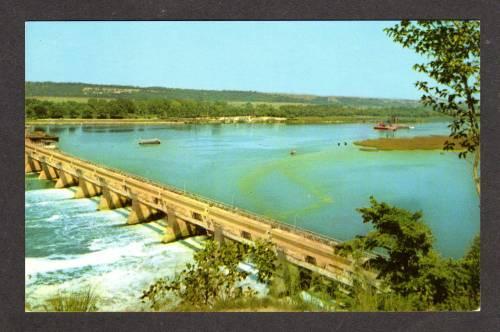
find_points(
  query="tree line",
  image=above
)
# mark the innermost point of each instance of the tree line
(178, 108)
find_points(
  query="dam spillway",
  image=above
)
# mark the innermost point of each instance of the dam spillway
(187, 214)
(71, 245)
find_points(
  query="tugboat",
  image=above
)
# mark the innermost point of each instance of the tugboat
(383, 126)
(149, 141)
(392, 125)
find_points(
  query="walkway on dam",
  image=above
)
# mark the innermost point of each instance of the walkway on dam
(186, 214)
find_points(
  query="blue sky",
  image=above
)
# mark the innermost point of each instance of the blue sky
(338, 58)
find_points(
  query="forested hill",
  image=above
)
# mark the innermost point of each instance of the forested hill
(51, 89)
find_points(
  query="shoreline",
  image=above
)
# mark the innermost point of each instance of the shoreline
(224, 120)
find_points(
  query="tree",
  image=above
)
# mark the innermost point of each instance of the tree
(471, 265)
(40, 111)
(56, 112)
(29, 112)
(213, 277)
(87, 112)
(99, 108)
(403, 238)
(409, 266)
(452, 50)
(262, 254)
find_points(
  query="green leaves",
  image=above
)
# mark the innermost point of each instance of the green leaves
(409, 265)
(263, 256)
(453, 51)
(215, 275)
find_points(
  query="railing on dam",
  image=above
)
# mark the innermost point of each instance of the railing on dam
(301, 246)
(267, 220)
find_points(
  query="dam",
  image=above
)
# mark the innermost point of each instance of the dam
(187, 214)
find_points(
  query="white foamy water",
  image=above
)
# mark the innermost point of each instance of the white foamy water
(70, 245)
(47, 195)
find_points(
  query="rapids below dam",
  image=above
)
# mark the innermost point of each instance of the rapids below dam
(69, 243)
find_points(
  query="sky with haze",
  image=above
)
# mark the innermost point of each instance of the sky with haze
(328, 58)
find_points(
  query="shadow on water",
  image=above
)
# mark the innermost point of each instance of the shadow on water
(123, 212)
(40, 128)
(96, 129)
(188, 245)
(153, 228)
(121, 130)
(153, 128)
(387, 134)
(31, 182)
(215, 130)
(57, 129)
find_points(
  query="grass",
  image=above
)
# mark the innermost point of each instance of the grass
(254, 304)
(411, 143)
(82, 301)
(65, 99)
(269, 103)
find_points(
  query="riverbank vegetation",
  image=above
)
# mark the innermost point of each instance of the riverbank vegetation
(193, 110)
(410, 274)
(407, 143)
(84, 300)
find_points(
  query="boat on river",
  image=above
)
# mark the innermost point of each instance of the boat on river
(383, 126)
(149, 141)
(392, 124)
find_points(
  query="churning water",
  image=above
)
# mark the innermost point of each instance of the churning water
(69, 243)
(71, 246)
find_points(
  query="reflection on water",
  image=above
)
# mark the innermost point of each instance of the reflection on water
(120, 130)
(57, 129)
(96, 129)
(388, 133)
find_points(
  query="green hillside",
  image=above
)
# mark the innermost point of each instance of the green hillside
(83, 90)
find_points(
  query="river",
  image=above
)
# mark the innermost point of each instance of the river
(245, 165)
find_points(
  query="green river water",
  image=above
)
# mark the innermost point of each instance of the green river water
(249, 166)
(69, 244)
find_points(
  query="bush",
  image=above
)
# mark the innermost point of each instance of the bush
(409, 265)
(213, 277)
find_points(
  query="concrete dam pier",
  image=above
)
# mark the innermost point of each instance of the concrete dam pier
(186, 214)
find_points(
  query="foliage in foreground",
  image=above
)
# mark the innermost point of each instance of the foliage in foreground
(412, 275)
(81, 301)
(409, 267)
(214, 276)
